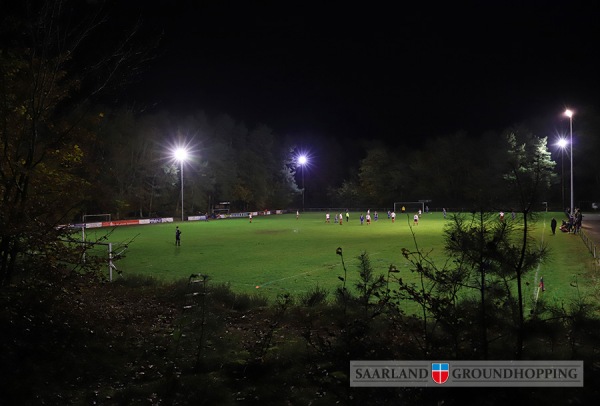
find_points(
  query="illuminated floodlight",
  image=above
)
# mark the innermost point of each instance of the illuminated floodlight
(562, 143)
(181, 154)
(302, 160)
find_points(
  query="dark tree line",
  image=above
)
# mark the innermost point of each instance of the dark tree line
(227, 162)
(456, 171)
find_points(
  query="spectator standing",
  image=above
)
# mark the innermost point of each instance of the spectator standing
(578, 220)
(177, 236)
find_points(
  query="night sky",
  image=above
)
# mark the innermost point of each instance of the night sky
(372, 71)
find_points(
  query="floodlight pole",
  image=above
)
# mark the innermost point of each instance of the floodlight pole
(572, 186)
(302, 160)
(303, 189)
(569, 113)
(562, 176)
(181, 169)
(562, 144)
(181, 155)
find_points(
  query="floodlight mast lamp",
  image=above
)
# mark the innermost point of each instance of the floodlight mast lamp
(562, 144)
(302, 160)
(569, 113)
(181, 155)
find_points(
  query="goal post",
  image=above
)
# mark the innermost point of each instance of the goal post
(92, 218)
(409, 207)
(115, 252)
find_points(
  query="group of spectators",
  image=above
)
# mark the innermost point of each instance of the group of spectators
(571, 225)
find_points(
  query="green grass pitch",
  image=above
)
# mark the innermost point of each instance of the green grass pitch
(279, 253)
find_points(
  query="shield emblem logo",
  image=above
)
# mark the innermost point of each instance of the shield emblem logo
(440, 373)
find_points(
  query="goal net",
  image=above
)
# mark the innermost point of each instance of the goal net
(96, 218)
(409, 207)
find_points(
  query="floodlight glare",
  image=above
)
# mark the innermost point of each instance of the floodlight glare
(302, 159)
(181, 154)
(562, 143)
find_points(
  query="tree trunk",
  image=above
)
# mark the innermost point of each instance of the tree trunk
(519, 272)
